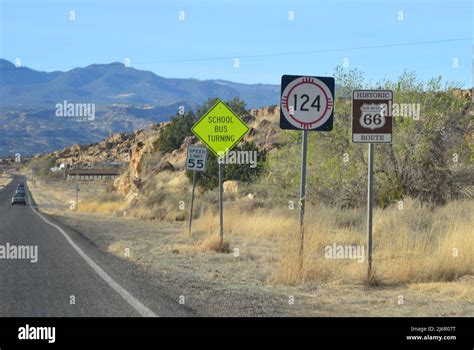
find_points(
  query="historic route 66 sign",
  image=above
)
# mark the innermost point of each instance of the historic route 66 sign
(372, 116)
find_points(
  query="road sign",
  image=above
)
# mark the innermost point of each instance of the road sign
(196, 158)
(372, 116)
(220, 129)
(307, 103)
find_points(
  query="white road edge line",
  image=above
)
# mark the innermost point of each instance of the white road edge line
(129, 298)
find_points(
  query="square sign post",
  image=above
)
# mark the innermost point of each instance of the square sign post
(196, 161)
(371, 123)
(77, 196)
(307, 103)
(220, 129)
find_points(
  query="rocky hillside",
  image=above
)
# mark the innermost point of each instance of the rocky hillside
(146, 162)
(137, 155)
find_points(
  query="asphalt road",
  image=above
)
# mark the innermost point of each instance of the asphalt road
(71, 277)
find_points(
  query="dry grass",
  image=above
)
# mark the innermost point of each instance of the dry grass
(462, 289)
(259, 223)
(411, 245)
(59, 197)
(119, 248)
(212, 243)
(102, 206)
(144, 213)
(4, 180)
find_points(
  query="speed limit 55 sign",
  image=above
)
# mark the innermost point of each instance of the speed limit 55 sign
(372, 116)
(307, 103)
(196, 158)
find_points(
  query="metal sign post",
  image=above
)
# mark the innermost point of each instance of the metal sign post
(192, 202)
(370, 177)
(221, 207)
(304, 149)
(77, 196)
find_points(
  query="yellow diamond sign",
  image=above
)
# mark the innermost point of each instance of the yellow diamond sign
(220, 129)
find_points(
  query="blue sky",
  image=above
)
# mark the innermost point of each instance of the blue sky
(153, 37)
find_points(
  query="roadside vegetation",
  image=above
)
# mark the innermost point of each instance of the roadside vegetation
(4, 180)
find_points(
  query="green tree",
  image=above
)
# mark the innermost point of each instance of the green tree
(41, 166)
(429, 157)
(237, 105)
(172, 135)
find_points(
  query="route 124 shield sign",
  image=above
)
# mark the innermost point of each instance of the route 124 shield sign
(307, 103)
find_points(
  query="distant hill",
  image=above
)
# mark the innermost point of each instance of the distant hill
(126, 99)
(25, 88)
(40, 130)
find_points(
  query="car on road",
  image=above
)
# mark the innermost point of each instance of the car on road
(20, 192)
(18, 199)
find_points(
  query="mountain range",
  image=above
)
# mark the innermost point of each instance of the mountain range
(125, 99)
(114, 83)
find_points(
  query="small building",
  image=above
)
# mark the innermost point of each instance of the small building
(92, 174)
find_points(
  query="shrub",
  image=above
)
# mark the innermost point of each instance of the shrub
(41, 166)
(172, 135)
(418, 164)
